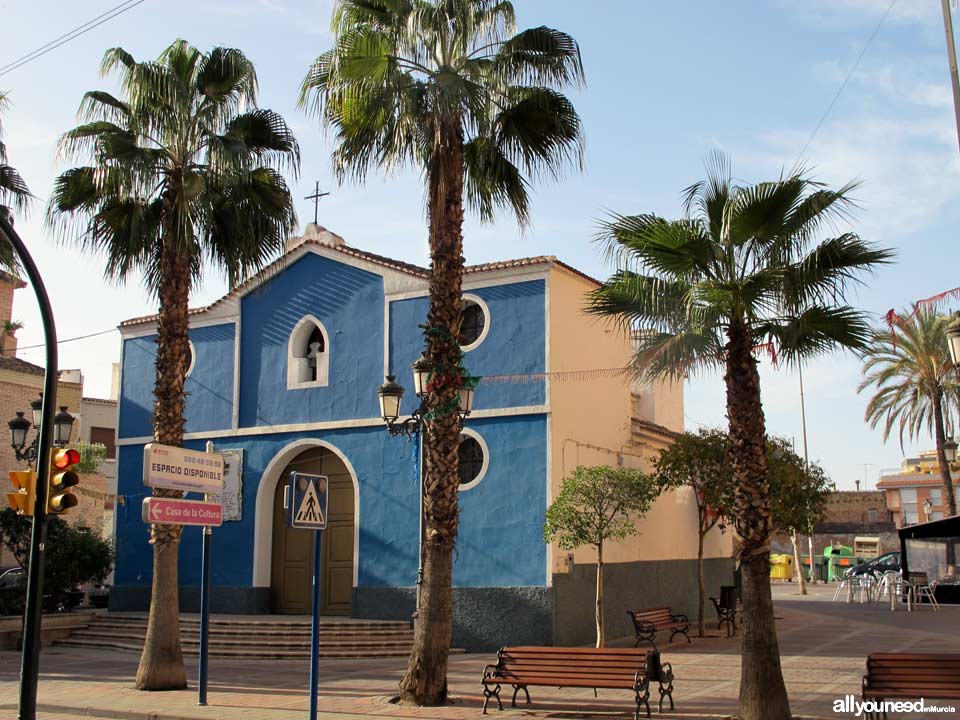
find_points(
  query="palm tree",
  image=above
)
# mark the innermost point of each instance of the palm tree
(742, 274)
(184, 170)
(13, 190)
(917, 389)
(7, 330)
(448, 87)
(14, 194)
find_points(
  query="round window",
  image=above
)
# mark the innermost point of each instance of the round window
(473, 459)
(472, 322)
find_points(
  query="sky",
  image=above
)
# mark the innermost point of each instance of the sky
(666, 84)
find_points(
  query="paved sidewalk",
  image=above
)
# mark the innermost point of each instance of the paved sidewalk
(823, 648)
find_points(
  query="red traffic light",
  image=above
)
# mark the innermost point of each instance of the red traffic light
(65, 458)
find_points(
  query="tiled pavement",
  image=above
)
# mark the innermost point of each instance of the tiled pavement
(823, 647)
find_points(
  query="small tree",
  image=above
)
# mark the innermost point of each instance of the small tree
(798, 495)
(700, 461)
(597, 504)
(75, 554)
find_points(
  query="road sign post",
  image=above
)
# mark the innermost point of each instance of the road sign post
(205, 602)
(306, 502)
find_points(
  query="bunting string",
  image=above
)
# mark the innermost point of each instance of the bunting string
(559, 376)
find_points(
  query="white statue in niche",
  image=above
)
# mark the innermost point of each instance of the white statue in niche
(312, 354)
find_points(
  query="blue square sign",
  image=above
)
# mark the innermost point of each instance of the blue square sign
(306, 501)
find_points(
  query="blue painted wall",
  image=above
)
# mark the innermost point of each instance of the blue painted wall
(515, 342)
(499, 544)
(349, 303)
(209, 388)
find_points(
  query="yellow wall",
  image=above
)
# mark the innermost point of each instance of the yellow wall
(590, 424)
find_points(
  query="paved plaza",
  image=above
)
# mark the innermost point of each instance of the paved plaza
(823, 648)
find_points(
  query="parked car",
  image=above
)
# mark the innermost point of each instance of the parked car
(11, 591)
(878, 566)
(100, 596)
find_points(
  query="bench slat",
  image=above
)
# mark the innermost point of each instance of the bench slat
(913, 675)
(565, 681)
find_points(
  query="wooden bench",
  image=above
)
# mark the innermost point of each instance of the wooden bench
(901, 676)
(613, 668)
(649, 621)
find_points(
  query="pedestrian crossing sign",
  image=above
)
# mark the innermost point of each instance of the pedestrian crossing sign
(306, 501)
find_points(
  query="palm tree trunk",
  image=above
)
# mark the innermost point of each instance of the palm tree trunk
(425, 681)
(763, 695)
(949, 499)
(701, 584)
(796, 563)
(161, 663)
(599, 613)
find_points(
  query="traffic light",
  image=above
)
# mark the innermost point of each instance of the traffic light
(25, 491)
(62, 478)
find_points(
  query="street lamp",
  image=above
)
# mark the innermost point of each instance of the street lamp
(390, 395)
(953, 339)
(20, 426)
(950, 449)
(62, 425)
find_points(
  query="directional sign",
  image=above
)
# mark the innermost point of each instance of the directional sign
(176, 468)
(307, 501)
(167, 511)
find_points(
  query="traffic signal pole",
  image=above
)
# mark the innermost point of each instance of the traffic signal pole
(30, 659)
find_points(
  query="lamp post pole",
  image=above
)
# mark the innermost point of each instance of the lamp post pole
(30, 660)
(390, 395)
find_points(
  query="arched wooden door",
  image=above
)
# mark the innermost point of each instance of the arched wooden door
(292, 558)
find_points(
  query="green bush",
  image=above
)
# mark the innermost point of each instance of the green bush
(76, 555)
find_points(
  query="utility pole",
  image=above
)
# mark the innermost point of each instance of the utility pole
(794, 538)
(952, 57)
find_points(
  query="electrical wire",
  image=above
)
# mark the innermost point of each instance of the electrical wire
(843, 85)
(60, 342)
(71, 35)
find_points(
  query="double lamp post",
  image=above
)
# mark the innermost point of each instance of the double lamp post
(20, 426)
(391, 396)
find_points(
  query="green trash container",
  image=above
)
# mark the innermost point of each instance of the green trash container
(820, 565)
(839, 559)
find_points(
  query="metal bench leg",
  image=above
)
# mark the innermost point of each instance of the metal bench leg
(516, 689)
(488, 693)
(644, 699)
(685, 632)
(665, 692)
(647, 637)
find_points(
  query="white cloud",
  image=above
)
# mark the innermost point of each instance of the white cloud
(909, 168)
(919, 83)
(917, 11)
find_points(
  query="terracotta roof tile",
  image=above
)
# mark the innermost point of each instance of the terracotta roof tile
(18, 365)
(398, 265)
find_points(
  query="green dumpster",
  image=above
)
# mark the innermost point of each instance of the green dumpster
(839, 559)
(820, 564)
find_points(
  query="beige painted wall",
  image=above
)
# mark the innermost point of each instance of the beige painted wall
(590, 425)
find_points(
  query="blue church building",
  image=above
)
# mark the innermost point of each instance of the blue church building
(283, 377)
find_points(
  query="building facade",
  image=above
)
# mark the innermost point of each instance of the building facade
(914, 491)
(284, 375)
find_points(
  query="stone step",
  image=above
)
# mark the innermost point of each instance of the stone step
(252, 642)
(265, 653)
(264, 632)
(255, 638)
(295, 621)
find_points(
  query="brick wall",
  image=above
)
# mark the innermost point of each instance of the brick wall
(848, 506)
